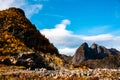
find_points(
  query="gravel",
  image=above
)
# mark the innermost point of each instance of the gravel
(43, 74)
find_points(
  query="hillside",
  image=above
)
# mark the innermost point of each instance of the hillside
(21, 42)
(13, 23)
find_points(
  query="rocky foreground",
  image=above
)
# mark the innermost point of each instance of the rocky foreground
(43, 74)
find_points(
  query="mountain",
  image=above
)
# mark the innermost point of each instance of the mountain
(95, 51)
(112, 62)
(81, 53)
(22, 44)
(14, 23)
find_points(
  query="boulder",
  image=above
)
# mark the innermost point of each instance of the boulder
(31, 60)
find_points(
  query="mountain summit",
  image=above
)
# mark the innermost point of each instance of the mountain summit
(93, 52)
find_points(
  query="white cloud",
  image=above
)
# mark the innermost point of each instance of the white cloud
(6, 3)
(58, 31)
(67, 51)
(101, 37)
(66, 41)
(29, 9)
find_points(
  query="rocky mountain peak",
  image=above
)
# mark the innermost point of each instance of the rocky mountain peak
(84, 45)
(80, 53)
(93, 52)
(94, 46)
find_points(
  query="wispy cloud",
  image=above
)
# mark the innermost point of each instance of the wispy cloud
(67, 42)
(53, 15)
(99, 29)
(33, 9)
(30, 9)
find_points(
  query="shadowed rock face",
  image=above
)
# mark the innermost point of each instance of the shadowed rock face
(29, 60)
(95, 51)
(80, 54)
(100, 51)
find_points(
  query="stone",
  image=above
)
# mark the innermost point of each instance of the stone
(80, 54)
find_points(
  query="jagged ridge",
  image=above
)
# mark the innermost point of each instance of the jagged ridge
(93, 52)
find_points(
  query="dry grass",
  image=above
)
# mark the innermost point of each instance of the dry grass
(5, 68)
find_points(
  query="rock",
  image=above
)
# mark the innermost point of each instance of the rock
(99, 52)
(95, 74)
(9, 61)
(113, 51)
(80, 54)
(31, 60)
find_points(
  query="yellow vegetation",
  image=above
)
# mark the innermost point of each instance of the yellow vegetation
(13, 45)
(6, 36)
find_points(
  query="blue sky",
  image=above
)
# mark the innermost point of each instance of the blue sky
(69, 23)
(83, 14)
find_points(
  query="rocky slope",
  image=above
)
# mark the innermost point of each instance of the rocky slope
(96, 55)
(111, 62)
(43, 74)
(14, 24)
(21, 43)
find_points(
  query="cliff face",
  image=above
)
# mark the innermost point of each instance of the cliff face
(80, 54)
(93, 52)
(19, 37)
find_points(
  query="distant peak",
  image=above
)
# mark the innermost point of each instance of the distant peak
(94, 43)
(84, 44)
(94, 46)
